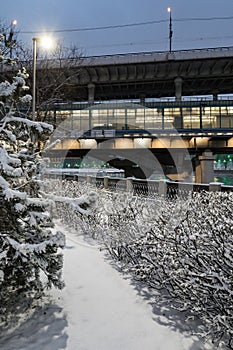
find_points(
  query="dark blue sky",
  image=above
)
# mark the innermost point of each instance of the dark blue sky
(71, 14)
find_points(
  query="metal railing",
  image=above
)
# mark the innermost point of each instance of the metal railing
(149, 188)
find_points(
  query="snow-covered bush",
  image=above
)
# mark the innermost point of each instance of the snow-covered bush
(192, 262)
(183, 248)
(74, 204)
(30, 257)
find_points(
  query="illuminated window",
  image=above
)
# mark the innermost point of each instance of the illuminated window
(168, 118)
(153, 118)
(191, 118)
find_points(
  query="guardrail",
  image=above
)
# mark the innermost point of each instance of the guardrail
(147, 188)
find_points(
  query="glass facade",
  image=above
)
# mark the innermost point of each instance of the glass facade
(149, 117)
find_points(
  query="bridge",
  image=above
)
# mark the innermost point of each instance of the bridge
(151, 75)
(176, 132)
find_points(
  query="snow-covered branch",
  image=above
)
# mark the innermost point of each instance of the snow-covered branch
(83, 204)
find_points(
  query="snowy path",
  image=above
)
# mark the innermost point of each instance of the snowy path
(97, 310)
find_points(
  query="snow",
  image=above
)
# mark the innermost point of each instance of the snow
(26, 99)
(99, 309)
(6, 89)
(3, 183)
(14, 194)
(39, 126)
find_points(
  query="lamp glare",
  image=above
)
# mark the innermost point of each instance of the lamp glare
(47, 42)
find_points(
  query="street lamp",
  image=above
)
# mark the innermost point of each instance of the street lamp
(9, 40)
(47, 43)
(14, 22)
(169, 10)
(34, 40)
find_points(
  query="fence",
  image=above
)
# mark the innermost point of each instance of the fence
(148, 188)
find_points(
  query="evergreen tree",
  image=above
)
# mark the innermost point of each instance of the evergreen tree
(30, 257)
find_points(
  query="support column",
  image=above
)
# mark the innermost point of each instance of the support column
(178, 88)
(179, 162)
(105, 182)
(91, 93)
(163, 188)
(142, 99)
(129, 185)
(204, 169)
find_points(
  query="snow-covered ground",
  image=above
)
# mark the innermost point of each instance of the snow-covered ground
(99, 309)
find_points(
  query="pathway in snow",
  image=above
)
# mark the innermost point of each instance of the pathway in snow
(97, 310)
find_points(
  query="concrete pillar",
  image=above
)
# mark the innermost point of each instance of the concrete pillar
(91, 93)
(163, 188)
(178, 88)
(179, 161)
(129, 185)
(142, 99)
(105, 182)
(204, 170)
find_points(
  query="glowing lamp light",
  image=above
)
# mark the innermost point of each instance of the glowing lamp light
(47, 42)
(169, 9)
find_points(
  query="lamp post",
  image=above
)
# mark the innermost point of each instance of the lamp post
(13, 24)
(47, 43)
(169, 10)
(34, 40)
(9, 40)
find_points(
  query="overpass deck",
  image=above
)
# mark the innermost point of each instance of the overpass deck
(141, 75)
(154, 75)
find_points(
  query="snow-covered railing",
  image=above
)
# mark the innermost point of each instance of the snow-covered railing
(143, 187)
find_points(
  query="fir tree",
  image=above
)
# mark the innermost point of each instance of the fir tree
(30, 257)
